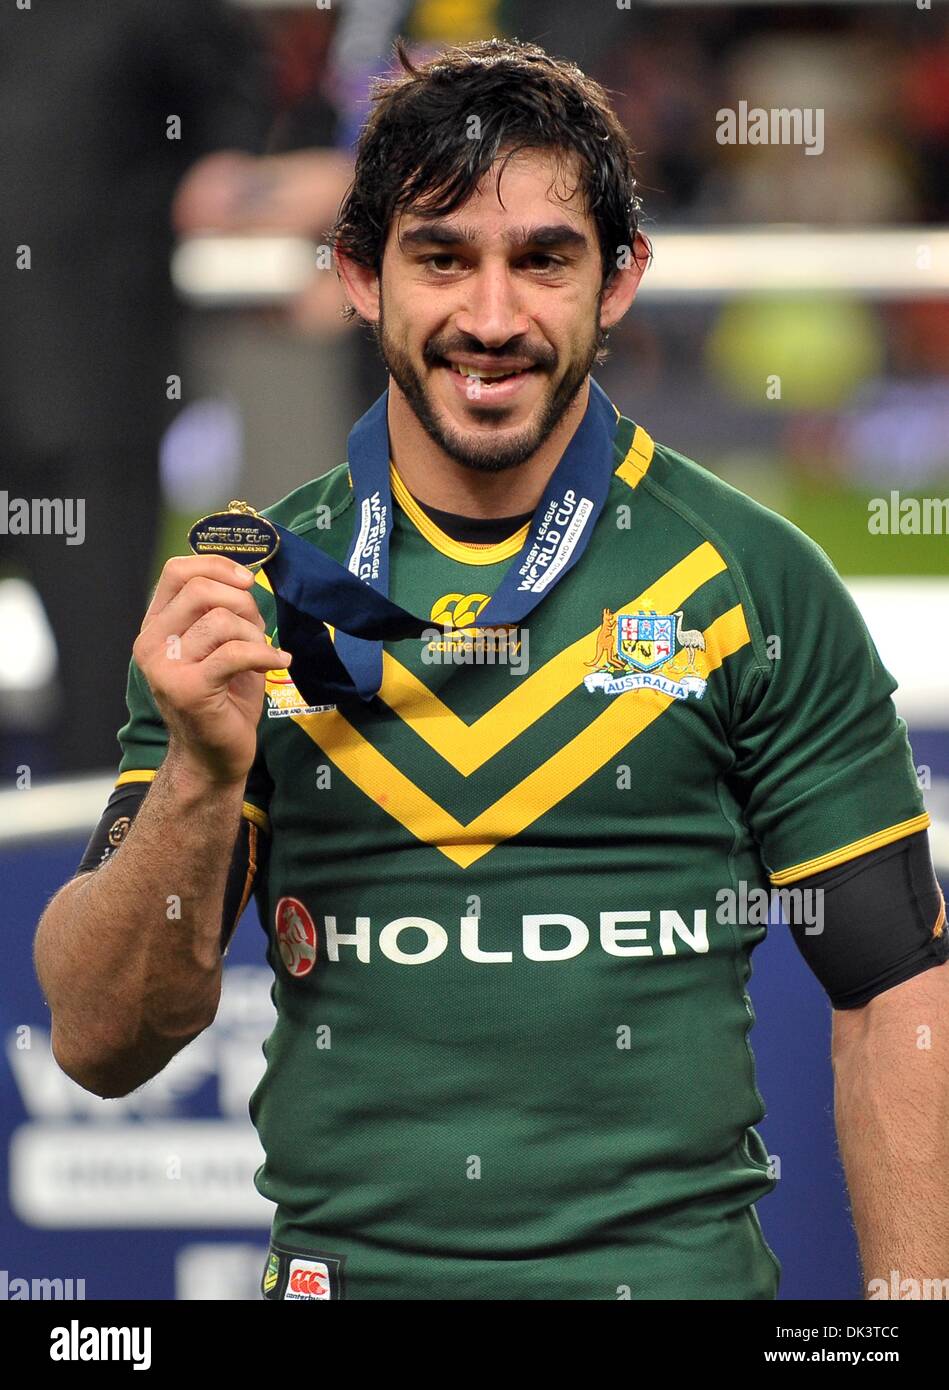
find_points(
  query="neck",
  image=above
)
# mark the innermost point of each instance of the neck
(442, 482)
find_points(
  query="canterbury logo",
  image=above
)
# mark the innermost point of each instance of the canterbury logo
(308, 1281)
(458, 610)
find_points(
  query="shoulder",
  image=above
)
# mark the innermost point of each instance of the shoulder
(752, 532)
(786, 586)
(768, 556)
(311, 506)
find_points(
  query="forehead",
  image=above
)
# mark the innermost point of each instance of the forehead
(515, 192)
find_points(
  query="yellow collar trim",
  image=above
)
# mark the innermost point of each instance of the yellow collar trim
(469, 552)
(632, 470)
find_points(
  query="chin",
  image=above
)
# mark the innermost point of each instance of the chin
(490, 451)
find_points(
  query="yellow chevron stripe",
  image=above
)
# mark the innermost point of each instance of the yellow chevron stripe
(847, 852)
(625, 717)
(468, 746)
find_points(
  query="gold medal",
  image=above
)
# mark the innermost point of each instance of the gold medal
(239, 534)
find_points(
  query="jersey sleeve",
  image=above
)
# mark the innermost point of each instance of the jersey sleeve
(823, 764)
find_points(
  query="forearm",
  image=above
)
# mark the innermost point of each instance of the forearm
(129, 956)
(891, 1071)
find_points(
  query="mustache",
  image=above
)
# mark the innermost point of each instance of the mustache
(434, 354)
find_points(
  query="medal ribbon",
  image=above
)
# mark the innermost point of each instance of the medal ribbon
(312, 589)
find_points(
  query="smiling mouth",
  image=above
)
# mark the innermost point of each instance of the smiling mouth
(488, 379)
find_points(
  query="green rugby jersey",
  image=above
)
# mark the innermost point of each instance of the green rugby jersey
(511, 1058)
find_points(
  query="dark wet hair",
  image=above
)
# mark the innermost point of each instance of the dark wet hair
(416, 149)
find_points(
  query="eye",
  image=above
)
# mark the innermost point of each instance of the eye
(441, 256)
(551, 262)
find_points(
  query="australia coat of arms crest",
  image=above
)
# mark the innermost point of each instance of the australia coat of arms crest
(646, 650)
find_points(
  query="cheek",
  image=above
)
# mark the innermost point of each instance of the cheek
(402, 329)
(573, 320)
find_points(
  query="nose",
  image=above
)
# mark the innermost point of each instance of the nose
(492, 312)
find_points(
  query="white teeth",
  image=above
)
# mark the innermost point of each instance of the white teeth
(482, 376)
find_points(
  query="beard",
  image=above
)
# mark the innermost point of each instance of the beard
(488, 454)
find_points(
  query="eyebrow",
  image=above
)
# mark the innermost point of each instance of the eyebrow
(441, 233)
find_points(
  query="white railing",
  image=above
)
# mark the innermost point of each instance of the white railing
(697, 264)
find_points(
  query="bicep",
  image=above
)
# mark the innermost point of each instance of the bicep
(823, 767)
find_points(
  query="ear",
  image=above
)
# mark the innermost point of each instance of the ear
(361, 284)
(631, 263)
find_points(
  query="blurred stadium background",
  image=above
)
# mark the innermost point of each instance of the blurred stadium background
(828, 274)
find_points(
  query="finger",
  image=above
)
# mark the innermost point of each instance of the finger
(230, 659)
(181, 568)
(211, 631)
(199, 596)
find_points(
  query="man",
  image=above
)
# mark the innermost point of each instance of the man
(511, 1055)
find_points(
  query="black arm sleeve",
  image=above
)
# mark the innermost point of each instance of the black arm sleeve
(121, 809)
(883, 918)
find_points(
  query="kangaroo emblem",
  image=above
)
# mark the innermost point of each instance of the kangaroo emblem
(605, 643)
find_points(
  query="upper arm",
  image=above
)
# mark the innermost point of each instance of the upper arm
(826, 778)
(59, 900)
(823, 764)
